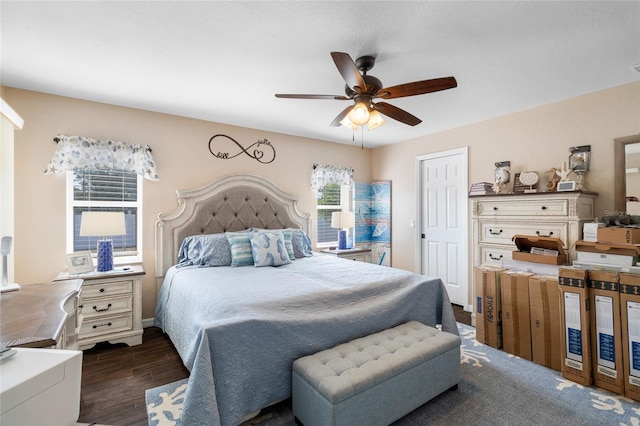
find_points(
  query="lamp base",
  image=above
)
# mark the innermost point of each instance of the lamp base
(105, 255)
(342, 239)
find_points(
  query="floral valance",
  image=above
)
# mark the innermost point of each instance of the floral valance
(323, 175)
(79, 152)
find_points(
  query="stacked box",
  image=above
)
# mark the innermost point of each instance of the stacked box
(575, 320)
(488, 306)
(630, 319)
(516, 322)
(606, 331)
(544, 308)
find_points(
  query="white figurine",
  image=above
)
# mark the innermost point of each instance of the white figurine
(564, 173)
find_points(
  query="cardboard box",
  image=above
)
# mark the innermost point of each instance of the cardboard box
(544, 305)
(516, 321)
(619, 235)
(613, 254)
(576, 325)
(488, 306)
(526, 243)
(606, 331)
(630, 319)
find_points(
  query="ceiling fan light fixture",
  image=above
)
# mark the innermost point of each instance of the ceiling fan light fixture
(347, 123)
(359, 114)
(375, 120)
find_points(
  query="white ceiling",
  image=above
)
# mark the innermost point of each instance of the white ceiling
(224, 61)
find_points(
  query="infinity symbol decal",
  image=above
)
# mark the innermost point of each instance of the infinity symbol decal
(262, 147)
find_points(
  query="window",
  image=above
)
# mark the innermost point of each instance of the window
(105, 190)
(330, 198)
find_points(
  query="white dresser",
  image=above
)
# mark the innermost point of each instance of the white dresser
(497, 218)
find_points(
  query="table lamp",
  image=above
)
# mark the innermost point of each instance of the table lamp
(96, 224)
(342, 220)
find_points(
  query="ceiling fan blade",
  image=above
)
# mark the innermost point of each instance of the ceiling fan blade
(396, 113)
(417, 88)
(329, 97)
(348, 70)
(339, 117)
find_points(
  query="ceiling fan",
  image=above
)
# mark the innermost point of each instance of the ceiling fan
(363, 89)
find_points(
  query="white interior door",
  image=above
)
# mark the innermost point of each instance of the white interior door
(442, 220)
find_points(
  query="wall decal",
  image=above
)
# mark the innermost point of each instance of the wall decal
(263, 152)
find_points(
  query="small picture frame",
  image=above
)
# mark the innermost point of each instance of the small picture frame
(79, 262)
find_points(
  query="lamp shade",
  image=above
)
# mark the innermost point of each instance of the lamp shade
(102, 224)
(342, 220)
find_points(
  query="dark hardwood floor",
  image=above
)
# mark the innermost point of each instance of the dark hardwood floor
(115, 377)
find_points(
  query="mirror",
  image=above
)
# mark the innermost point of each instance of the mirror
(620, 146)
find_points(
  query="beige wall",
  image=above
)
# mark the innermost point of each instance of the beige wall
(180, 149)
(533, 140)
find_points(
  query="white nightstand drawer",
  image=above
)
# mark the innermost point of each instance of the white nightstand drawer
(104, 325)
(103, 289)
(107, 305)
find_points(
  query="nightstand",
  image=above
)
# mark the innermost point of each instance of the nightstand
(111, 306)
(359, 254)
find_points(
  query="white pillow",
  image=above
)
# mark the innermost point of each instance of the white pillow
(268, 248)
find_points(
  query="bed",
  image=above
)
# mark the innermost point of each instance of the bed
(238, 329)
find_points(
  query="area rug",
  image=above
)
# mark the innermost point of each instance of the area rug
(496, 388)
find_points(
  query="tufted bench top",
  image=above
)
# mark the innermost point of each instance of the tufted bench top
(351, 368)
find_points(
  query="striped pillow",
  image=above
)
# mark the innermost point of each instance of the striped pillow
(240, 248)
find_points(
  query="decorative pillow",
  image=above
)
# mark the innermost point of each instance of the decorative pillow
(288, 236)
(301, 244)
(240, 248)
(268, 248)
(205, 250)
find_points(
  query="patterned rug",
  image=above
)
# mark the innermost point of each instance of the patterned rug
(496, 388)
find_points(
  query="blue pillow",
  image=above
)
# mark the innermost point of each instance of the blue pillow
(301, 244)
(205, 250)
(288, 236)
(268, 248)
(241, 254)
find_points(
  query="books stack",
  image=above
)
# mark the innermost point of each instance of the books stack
(481, 188)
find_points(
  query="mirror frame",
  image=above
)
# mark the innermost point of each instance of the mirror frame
(619, 167)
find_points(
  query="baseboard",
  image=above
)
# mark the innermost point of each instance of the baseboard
(147, 322)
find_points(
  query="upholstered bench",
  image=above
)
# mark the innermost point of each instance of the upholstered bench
(377, 379)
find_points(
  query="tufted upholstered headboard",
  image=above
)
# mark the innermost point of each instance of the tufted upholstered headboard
(231, 203)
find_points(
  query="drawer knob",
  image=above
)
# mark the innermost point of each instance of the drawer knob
(102, 325)
(102, 290)
(495, 208)
(492, 232)
(540, 234)
(492, 257)
(95, 308)
(544, 207)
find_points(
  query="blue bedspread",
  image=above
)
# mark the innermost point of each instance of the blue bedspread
(238, 330)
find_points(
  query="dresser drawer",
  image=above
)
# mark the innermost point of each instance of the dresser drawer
(107, 305)
(533, 207)
(503, 232)
(494, 256)
(105, 325)
(103, 289)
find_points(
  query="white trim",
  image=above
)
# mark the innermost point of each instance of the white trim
(11, 115)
